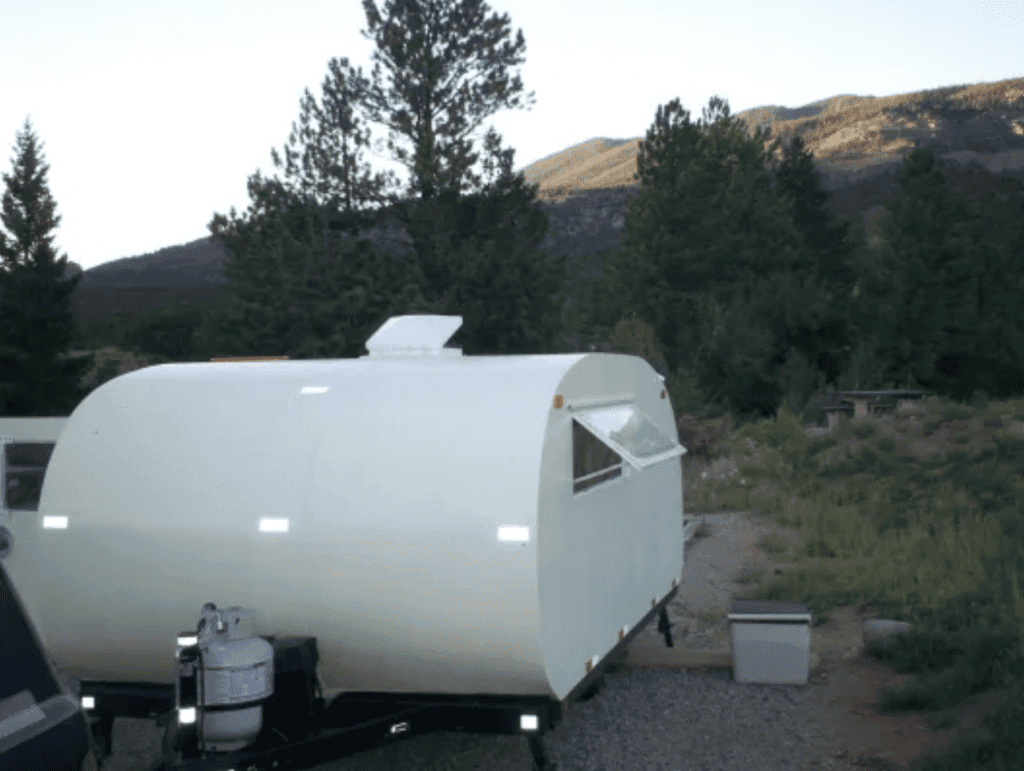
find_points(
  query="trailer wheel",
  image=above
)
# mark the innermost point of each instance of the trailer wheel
(89, 762)
(101, 731)
(170, 744)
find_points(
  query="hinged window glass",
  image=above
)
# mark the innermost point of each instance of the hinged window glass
(593, 461)
(626, 433)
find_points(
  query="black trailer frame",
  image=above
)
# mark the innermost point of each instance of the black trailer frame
(351, 722)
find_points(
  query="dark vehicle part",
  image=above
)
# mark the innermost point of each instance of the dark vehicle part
(42, 725)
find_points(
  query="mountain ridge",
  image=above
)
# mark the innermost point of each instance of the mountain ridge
(846, 133)
(858, 142)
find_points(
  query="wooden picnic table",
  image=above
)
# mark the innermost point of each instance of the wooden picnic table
(863, 400)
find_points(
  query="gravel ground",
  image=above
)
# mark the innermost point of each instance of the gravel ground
(664, 719)
(689, 720)
(641, 719)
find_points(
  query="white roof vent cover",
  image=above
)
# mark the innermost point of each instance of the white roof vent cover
(420, 335)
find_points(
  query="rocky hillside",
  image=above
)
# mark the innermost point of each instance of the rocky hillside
(858, 142)
(200, 261)
(853, 138)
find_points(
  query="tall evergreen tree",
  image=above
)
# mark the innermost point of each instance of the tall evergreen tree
(990, 322)
(973, 325)
(448, 68)
(635, 280)
(298, 288)
(923, 304)
(484, 264)
(302, 280)
(712, 261)
(37, 377)
(429, 48)
(323, 159)
(448, 65)
(824, 333)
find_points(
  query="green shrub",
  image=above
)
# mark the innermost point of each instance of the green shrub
(979, 400)
(1010, 449)
(814, 411)
(820, 444)
(774, 545)
(866, 461)
(816, 547)
(786, 427)
(635, 337)
(886, 443)
(952, 413)
(843, 465)
(891, 516)
(808, 488)
(864, 430)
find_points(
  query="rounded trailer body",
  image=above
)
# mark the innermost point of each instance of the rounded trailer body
(440, 523)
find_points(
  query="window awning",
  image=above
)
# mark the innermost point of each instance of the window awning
(630, 433)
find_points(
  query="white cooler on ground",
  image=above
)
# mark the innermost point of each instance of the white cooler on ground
(771, 641)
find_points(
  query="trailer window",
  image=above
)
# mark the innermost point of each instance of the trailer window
(593, 461)
(630, 434)
(24, 466)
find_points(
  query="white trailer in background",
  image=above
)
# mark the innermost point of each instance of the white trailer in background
(442, 526)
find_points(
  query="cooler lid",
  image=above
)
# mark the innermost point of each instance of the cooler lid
(769, 610)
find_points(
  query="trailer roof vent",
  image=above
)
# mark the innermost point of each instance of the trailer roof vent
(420, 335)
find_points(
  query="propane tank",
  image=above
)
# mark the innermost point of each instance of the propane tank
(225, 673)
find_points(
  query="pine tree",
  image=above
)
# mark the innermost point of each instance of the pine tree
(824, 338)
(448, 68)
(301, 279)
(298, 288)
(915, 305)
(712, 261)
(484, 264)
(634, 281)
(37, 377)
(448, 65)
(322, 208)
(976, 330)
(323, 159)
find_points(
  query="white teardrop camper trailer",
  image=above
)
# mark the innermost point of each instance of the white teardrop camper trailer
(439, 523)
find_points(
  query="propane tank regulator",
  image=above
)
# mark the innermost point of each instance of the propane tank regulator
(225, 673)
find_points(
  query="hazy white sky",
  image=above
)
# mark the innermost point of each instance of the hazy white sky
(154, 113)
